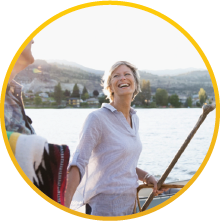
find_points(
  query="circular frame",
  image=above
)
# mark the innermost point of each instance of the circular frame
(136, 6)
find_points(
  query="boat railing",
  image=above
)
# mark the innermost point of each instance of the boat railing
(169, 185)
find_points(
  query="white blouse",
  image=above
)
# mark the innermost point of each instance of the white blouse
(107, 155)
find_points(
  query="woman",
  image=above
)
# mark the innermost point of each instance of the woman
(105, 162)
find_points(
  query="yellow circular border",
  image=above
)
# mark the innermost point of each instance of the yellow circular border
(137, 6)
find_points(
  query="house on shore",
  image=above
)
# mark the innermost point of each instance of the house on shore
(29, 95)
(92, 102)
(43, 95)
(195, 99)
(182, 99)
(74, 101)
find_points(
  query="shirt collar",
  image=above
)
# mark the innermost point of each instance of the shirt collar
(132, 110)
(109, 106)
(112, 109)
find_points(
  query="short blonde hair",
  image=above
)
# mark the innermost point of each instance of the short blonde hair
(106, 79)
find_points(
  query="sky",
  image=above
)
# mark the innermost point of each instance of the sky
(98, 36)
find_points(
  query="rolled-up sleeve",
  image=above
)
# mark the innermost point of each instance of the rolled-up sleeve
(89, 138)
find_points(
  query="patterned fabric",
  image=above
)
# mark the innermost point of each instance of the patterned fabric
(106, 155)
(44, 164)
(52, 172)
(15, 117)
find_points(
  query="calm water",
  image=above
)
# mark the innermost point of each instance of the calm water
(162, 132)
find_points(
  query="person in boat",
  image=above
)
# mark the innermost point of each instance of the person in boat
(103, 173)
(15, 118)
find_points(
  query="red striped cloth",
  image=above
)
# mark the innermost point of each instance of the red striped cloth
(52, 172)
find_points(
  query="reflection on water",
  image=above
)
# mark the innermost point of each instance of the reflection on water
(162, 132)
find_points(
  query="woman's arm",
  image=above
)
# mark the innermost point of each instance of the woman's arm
(89, 138)
(73, 179)
(141, 173)
(150, 180)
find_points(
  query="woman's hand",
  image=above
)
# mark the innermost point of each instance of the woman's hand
(149, 179)
(152, 180)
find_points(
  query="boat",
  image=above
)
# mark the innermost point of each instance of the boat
(144, 193)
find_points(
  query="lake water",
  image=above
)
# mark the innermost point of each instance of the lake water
(162, 132)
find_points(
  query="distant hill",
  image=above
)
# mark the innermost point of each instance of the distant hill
(52, 73)
(184, 84)
(169, 72)
(49, 74)
(172, 72)
(74, 64)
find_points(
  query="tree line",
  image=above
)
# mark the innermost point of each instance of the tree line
(143, 98)
(59, 94)
(161, 97)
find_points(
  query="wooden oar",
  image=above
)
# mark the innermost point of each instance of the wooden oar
(206, 110)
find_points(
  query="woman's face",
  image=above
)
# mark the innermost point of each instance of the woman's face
(122, 81)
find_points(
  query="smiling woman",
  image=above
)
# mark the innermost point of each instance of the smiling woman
(105, 162)
(118, 74)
